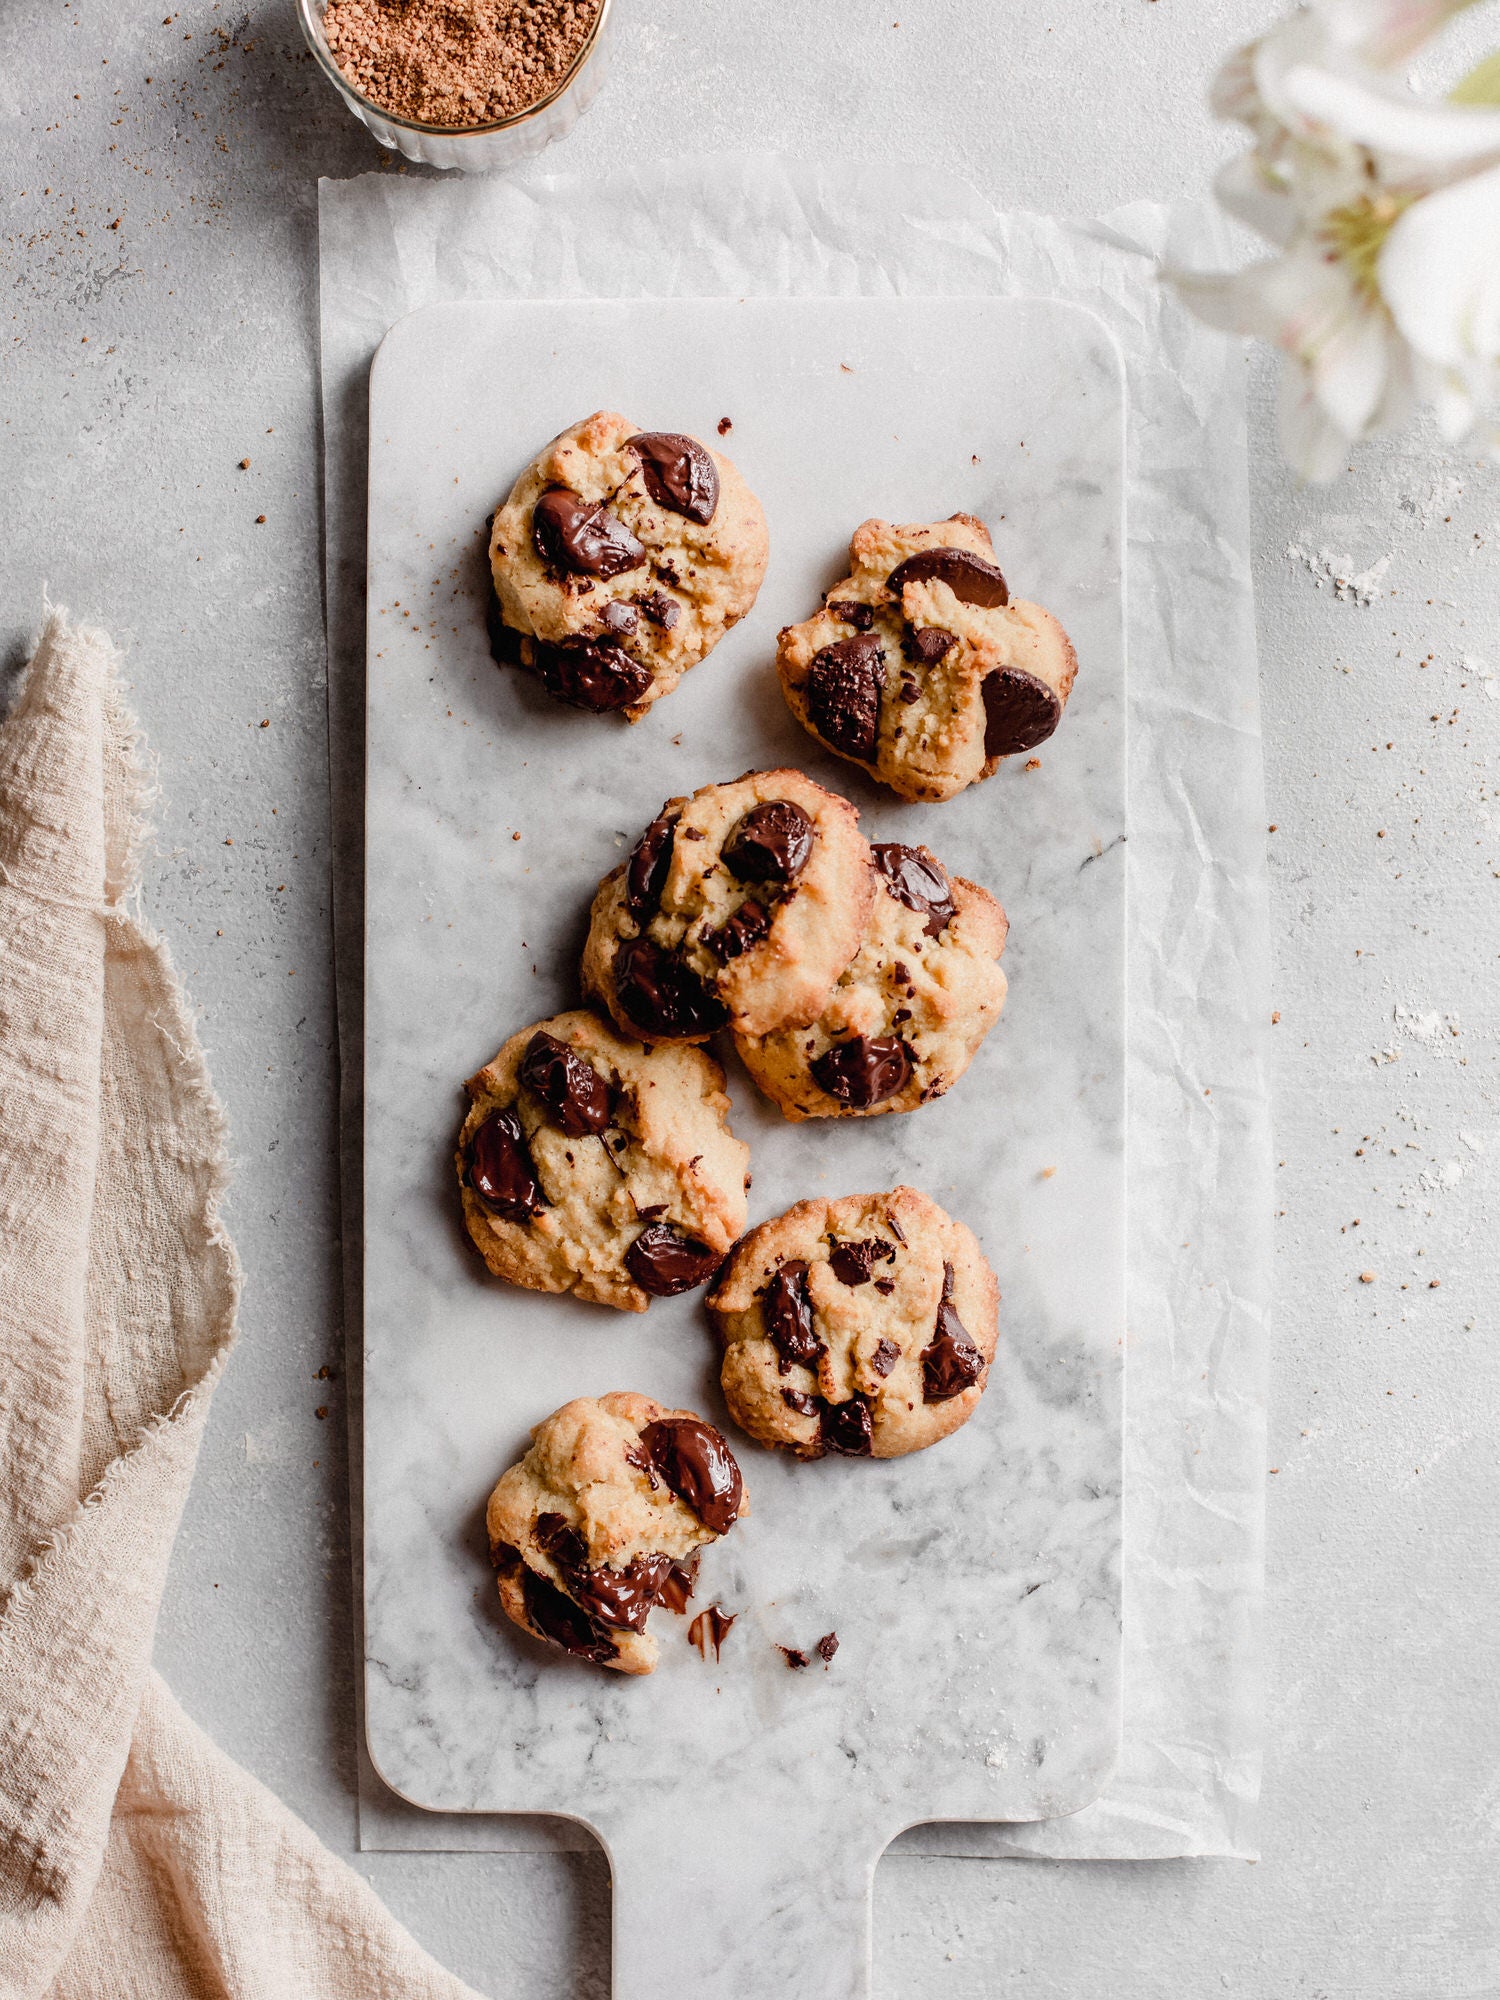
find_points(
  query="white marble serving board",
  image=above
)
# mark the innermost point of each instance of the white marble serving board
(975, 1587)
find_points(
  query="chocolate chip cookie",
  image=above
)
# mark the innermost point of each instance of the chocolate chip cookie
(621, 558)
(604, 1518)
(864, 1326)
(590, 1164)
(921, 667)
(738, 907)
(910, 1009)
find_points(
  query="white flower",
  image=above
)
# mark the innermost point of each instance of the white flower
(1385, 211)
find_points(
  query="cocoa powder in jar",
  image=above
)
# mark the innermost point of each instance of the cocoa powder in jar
(457, 62)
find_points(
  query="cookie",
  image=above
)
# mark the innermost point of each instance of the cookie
(921, 668)
(910, 1009)
(620, 560)
(604, 1518)
(738, 907)
(864, 1326)
(594, 1165)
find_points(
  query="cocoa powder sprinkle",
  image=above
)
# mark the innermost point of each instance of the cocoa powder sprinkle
(457, 62)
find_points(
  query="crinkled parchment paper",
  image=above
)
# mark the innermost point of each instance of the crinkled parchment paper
(1199, 1128)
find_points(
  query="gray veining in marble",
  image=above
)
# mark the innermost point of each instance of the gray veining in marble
(974, 1587)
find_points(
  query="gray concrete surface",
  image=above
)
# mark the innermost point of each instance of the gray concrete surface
(157, 252)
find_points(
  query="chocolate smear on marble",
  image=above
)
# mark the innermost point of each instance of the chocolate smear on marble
(711, 1628)
(679, 1584)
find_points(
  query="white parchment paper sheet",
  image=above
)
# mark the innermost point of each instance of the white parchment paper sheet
(1199, 1147)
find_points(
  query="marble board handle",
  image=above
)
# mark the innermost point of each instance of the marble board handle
(741, 1906)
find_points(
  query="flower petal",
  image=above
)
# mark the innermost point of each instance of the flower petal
(1312, 443)
(1251, 192)
(1436, 134)
(1440, 272)
(1385, 32)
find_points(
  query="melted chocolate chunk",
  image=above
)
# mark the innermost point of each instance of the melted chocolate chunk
(864, 1071)
(575, 1094)
(505, 645)
(885, 1357)
(582, 536)
(646, 876)
(664, 1262)
(828, 1645)
(591, 673)
(680, 475)
(786, 1310)
(919, 880)
(638, 1456)
(805, 1406)
(501, 1172)
(661, 993)
(843, 693)
(951, 1362)
(750, 923)
(1020, 711)
(971, 579)
(565, 1545)
(846, 1428)
(852, 1263)
(860, 616)
(622, 1598)
(559, 1619)
(925, 645)
(505, 1559)
(694, 1460)
(660, 609)
(619, 618)
(772, 843)
(711, 1628)
(679, 1584)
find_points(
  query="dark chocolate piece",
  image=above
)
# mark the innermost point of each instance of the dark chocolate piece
(864, 1071)
(505, 645)
(843, 693)
(828, 1645)
(505, 1559)
(575, 1094)
(501, 1172)
(971, 579)
(750, 923)
(591, 673)
(885, 1357)
(919, 880)
(1020, 711)
(559, 1619)
(694, 1460)
(679, 1583)
(850, 612)
(951, 1362)
(786, 1310)
(772, 843)
(565, 1545)
(622, 1598)
(710, 1628)
(660, 992)
(660, 609)
(680, 475)
(846, 1428)
(664, 1262)
(925, 645)
(852, 1263)
(619, 618)
(646, 875)
(582, 536)
(805, 1406)
(792, 1657)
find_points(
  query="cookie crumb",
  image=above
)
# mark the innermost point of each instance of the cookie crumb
(725, 426)
(828, 1645)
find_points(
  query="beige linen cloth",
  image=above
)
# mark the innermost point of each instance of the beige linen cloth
(136, 1862)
